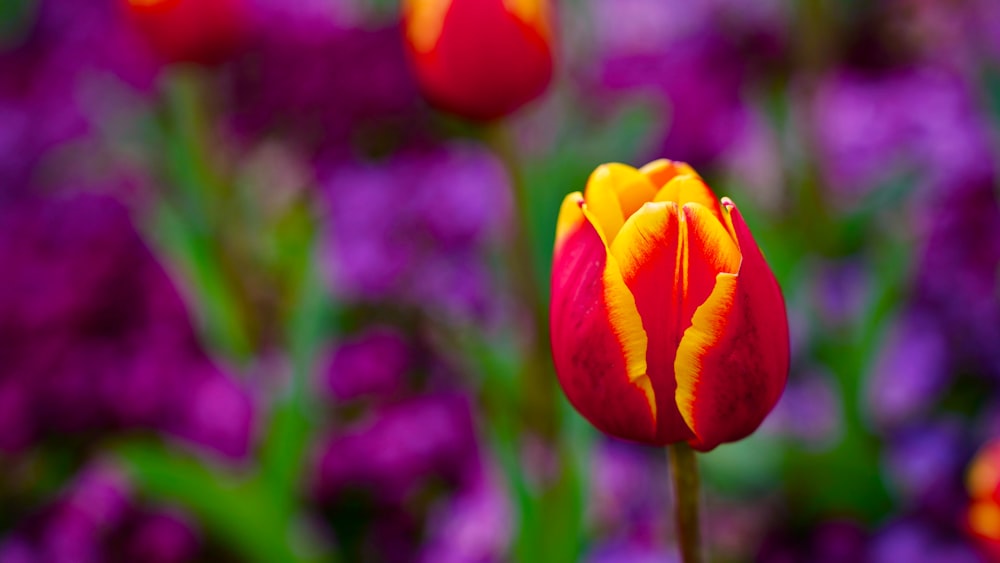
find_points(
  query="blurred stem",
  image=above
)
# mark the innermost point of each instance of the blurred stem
(202, 195)
(536, 381)
(684, 471)
(817, 32)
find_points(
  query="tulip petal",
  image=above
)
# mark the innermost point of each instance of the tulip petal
(424, 22)
(532, 12)
(709, 251)
(689, 188)
(620, 186)
(648, 252)
(598, 343)
(602, 202)
(662, 171)
(732, 362)
(570, 218)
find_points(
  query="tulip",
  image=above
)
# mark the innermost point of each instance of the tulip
(983, 484)
(481, 59)
(667, 325)
(196, 31)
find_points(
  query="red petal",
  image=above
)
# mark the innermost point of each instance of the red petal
(709, 250)
(647, 251)
(598, 344)
(732, 362)
(482, 61)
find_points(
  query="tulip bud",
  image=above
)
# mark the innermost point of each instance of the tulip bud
(481, 59)
(983, 484)
(667, 325)
(197, 31)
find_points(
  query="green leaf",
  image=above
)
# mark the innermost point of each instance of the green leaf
(218, 310)
(285, 448)
(231, 505)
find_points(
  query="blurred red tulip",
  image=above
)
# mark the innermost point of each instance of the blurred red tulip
(983, 484)
(481, 59)
(667, 324)
(197, 31)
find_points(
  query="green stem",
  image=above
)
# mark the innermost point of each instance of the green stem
(537, 380)
(684, 470)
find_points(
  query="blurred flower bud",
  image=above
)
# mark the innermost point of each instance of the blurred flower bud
(195, 31)
(481, 59)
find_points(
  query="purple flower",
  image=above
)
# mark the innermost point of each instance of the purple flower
(627, 488)
(398, 447)
(959, 34)
(630, 552)
(412, 229)
(94, 337)
(834, 541)
(842, 291)
(910, 371)
(916, 541)
(474, 526)
(412, 470)
(373, 363)
(95, 520)
(925, 462)
(216, 412)
(698, 84)
(809, 411)
(315, 81)
(870, 128)
(688, 58)
(43, 80)
(957, 275)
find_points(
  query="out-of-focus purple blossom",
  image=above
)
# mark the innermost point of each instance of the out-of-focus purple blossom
(842, 291)
(957, 34)
(957, 278)
(910, 372)
(654, 26)
(42, 81)
(158, 537)
(835, 541)
(94, 337)
(737, 525)
(753, 161)
(217, 412)
(698, 82)
(91, 37)
(631, 552)
(315, 79)
(924, 462)
(913, 540)
(869, 128)
(624, 486)
(371, 364)
(412, 229)
(689, 57)
(474, 526)
(398, 447)
(96, 520)
(809, 411)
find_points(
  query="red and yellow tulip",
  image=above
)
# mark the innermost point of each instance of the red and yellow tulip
(481, 59)
(983, 484)
(667, 324)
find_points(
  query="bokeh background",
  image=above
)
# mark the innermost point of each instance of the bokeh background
(272, 307)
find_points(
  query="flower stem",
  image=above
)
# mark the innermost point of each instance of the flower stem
(684, 471)
(537, 382)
